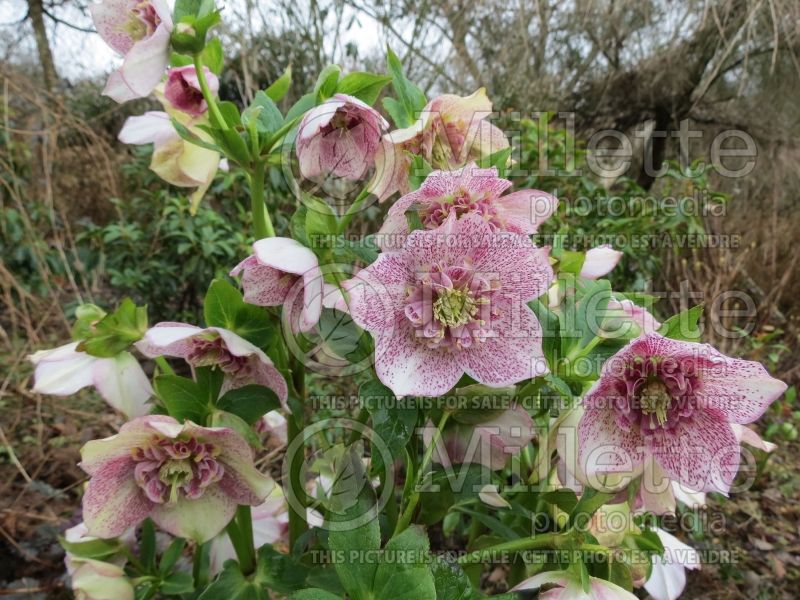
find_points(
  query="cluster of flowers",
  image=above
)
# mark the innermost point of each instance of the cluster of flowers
(447, 297)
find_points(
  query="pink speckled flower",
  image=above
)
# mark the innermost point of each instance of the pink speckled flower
(675, 402)
(182, 89)
(450, 132)
(140, 31)
(453, 300)
(282, 271)
(470, 190)
(242, 362)
(339, 137)
(564, 585)
(188, 479)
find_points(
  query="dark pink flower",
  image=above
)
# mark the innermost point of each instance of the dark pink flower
(182, 89)
(188, 479)
(673, 402)
(242, 362)
(453, 300)
(339, 137)
(470, 190)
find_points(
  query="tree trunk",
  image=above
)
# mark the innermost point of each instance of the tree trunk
(36, 13)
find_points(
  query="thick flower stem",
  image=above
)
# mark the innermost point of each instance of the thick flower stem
(405, 518)
(294, 489)
(244, 552)
(200, 565)
(540, 542)
(262, 224)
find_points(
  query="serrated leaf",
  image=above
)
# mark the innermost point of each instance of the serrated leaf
(392, 423)
(406, 578)
(183, 398)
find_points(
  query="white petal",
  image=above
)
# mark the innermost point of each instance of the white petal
(62, 371)
(123, 384)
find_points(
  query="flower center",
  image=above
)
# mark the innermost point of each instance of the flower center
(214, 353)
(143, 21)
(455, 307)
(168, 469)
(655, 400)
(451, 306)
(463, 202)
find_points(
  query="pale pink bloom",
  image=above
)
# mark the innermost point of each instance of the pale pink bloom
(676, 402)
(274, 427)
(624, 319)
(242, 362)
(490, 495)
(668, 575)
(490, 443)
(182, 89)
(283, 272)
(470, 190)
(270, 526)
(450, 132)
(140, 31)
(175, 160)
(564, 585)
(339, 137)
(120, 380)
(453, 300)
(188, 479)
(599, 262)
(92, 579)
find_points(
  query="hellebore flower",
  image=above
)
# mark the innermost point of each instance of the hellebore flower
(94, 579)
(599, 262)
(489, 443)
(453, 300)
(340, 137)
(450, 132)
(188, 479)
(182, 89)
(120, 380)
(175, 160)
(282, 271)
(242, 362)
(568, 586)
(676, 402)
(470, 190)
(140, 31)
(668, 575)
(270, 526)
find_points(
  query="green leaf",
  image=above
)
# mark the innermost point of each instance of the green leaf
(278, 89)
(235, 146)
(230, 112)
(684, 326)
(450, 580)
(620, 574)
(193, 138)
(571, 262)
(396, 111)
(314, 594)
(585, 308)
(498, 159)
(185, 8)
(115, 332)
(406, 576)
(250, 402)
(233, 585)
(278, 572)
(393, 423)
(183, 398)
(171, 555)
(341, 334)
(221, 304)
(86, 315)
(304, 104)
(264, 113)
(364, 86)
(590, 501)
(177, 584)
(564, 499)
(147, 546)
(411, 99)
(320, 220)
(212, 56)
(326, 82)
(365, 249)
(356, 575)
(420, 168)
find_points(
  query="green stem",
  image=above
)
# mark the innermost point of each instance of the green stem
(200, 565)
(244, 519)
(580, 352)
(244, 552)
(262, 224)
(294, 490)
(405, 518)
(164, 365)
(540, 542)
(352, 210)
(213, 109)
